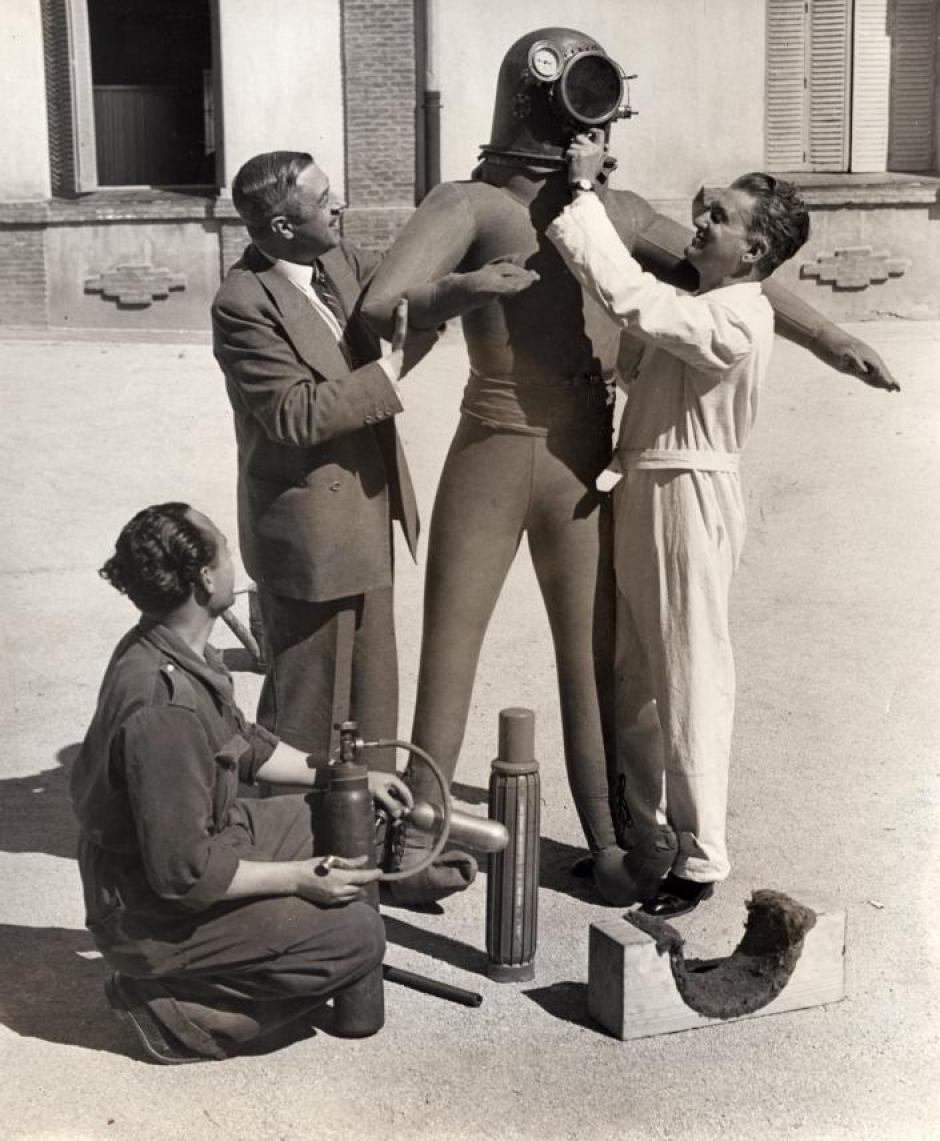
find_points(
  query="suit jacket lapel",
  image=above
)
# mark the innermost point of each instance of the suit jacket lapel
(310, 335)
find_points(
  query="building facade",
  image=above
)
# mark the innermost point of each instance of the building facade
(127, 120)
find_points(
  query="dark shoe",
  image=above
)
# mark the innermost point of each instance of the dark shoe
(678, 896)
(159, 1044)
(624, 878)
(451, 872)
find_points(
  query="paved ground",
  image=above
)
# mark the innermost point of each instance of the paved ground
(834, 787)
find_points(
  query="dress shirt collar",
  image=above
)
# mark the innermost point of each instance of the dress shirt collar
(296, 274)
(301, 277)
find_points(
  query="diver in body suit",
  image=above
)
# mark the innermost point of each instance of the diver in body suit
(536, 423)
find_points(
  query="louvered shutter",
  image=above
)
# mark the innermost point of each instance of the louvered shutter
(829, 84)
(69, 96)
(871, 66)
(913, 30)
(786, 85)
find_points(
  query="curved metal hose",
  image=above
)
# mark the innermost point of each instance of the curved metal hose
(438, 846)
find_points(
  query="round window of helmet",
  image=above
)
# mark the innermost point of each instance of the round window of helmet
(591, 89)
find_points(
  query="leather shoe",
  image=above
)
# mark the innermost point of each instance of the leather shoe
(678, 896)
(159, 1044)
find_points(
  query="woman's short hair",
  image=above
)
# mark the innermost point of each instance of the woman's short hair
(158, 556)
(262, 188)
(779, 215)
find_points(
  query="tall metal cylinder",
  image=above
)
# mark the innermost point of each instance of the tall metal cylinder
(348, 827)
(513, 879)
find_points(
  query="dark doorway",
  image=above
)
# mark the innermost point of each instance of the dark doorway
(152, 73)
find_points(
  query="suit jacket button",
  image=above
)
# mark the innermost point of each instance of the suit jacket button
(335, 485)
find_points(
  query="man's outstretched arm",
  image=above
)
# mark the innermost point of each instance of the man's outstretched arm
(659, 247)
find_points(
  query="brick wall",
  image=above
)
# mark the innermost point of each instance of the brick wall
(379, 91)
(22, 276)
(233, 237)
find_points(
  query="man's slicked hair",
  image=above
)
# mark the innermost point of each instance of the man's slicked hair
(158, 556)
(778, 215)
(262, 188)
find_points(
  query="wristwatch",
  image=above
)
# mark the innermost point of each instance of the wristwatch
(582, 184)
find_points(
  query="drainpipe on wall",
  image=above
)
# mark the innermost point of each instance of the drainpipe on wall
(427, 26)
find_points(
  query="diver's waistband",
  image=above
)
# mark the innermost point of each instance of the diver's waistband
(537, 407)
(681, 459)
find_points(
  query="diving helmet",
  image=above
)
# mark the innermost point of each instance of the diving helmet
(554, 83)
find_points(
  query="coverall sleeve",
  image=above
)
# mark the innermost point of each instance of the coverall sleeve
(421, 262)
(261, 744)
(701, 332)
(292, 402)
(172, 784)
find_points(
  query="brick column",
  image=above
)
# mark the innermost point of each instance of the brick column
(379, 91)
(22, 275)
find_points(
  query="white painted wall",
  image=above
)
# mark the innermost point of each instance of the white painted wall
(282, 81)
(699, 91)
(24, 138)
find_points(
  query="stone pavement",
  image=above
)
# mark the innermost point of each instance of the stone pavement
(833, 790)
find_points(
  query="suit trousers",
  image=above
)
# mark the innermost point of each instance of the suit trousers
(249, 967)
(678, 541)
(330, 662)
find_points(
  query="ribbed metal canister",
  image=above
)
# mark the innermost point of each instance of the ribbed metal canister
(513, 879)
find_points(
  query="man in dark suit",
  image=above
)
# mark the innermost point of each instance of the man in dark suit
(321, 471)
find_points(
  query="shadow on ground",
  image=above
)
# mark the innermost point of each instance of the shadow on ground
(437, 946)
(49, 989)
(37, 811)
(566, 1001)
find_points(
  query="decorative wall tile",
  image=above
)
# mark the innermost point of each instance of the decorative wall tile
(135, 286)
(855, 267)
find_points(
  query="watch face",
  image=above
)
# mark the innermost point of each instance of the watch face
(544, 61)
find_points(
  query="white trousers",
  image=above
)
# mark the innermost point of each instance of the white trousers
(678, 537)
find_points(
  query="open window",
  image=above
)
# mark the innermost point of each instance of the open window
(851, 85)
(132, 89)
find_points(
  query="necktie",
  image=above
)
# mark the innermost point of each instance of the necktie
(323, 288)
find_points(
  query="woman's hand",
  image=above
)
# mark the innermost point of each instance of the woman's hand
(391, 792)
(333, 880)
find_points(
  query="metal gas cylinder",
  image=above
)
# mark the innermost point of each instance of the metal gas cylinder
(348, 826)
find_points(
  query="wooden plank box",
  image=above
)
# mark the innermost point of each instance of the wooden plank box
(632, 992)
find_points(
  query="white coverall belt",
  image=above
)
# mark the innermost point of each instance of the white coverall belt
(685, 459)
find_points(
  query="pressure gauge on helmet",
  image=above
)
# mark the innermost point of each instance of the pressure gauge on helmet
(545, 61)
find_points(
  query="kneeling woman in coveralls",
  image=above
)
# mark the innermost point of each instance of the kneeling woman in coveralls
(218, 922)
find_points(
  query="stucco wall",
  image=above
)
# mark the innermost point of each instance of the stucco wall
(282, 81)
(24, 173)
(894, 248)
(680, 139)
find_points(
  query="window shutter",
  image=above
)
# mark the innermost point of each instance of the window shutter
(69, 96)
(871, 65)
(913, 31)
(829, 84)
(786, 85)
